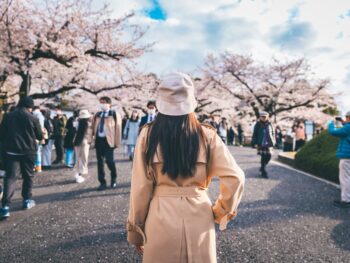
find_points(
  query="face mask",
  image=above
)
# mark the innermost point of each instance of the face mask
(152, 111)
(104, 107)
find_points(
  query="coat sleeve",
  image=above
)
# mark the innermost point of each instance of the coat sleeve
(3, 128)
(141, 193)
(125, 132)
(231, 177)
(118, 130)
(38, 130)
(273, 135)
(338, 132)
(255, 134)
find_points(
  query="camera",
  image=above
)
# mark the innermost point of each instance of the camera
(338, 119)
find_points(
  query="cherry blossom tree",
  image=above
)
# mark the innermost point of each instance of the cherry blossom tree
(278, 88)
(51, 47)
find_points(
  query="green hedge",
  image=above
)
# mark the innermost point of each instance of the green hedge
(318, 157)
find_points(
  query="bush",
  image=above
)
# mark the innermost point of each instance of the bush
(318, 157)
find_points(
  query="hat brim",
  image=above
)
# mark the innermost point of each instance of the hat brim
(176, 108)
(85, 116)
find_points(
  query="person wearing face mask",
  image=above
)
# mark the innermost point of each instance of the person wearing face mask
(59, 126)
(264, 140)
(130, 133)
(151, 113)
(107, 133)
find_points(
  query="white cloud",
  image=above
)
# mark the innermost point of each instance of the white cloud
(318, 30)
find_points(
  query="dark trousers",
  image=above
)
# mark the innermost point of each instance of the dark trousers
(299, 144)
(105, 152)
(18, 165)
(265, 159)
(59, 148)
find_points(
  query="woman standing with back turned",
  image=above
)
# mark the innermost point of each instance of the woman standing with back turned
(171, 218)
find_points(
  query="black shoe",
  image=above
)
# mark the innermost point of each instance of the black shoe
(264, 174)
(341, 204)
(113, 185)
(102, 187)
(57, 162)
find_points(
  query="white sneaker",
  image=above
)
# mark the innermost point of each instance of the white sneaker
(80, 179)
(76, 176)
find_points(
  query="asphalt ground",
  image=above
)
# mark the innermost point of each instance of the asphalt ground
(286, 218)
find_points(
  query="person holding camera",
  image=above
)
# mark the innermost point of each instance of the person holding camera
(341, 128)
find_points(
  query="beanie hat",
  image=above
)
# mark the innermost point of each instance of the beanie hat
(26, 102)
(176, 95)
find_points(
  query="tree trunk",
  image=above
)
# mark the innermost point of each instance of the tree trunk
(25, 85)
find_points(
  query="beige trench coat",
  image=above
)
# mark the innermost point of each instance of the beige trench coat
(174, 220)
(113, 128)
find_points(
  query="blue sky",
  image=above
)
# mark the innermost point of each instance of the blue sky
(186, 31)
(156, 11)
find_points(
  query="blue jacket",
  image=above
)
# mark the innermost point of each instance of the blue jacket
(343, 150)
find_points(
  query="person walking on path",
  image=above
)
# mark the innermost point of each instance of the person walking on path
(223, 127)
(71, 129)
(82, 145)
(131, 132)
(343, 153)
(264, 140)
(19, 133)
(279, 137)
(37, 113)
(230, 136)
(59, 126)
(151, 113)
(214, 122)
(171, 218)
(47, 147)
(107, 131)
(300, 135)
(240, 134)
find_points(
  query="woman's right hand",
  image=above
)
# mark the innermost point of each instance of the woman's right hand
(139, 249)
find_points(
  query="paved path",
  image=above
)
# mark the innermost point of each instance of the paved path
(288, 218)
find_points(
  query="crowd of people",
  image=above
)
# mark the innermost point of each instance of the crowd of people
(27, 137)
(72, 138)
(173, 156)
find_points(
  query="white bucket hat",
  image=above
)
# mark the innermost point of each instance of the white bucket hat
(263, 114)
(176, 95)
(84, 114)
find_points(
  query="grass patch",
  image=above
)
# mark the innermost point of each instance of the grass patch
(318, 157)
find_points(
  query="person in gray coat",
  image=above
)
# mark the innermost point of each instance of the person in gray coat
(130, 133)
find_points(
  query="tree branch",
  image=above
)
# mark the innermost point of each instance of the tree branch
(51, 55)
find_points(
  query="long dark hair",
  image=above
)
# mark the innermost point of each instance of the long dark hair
(179, 138)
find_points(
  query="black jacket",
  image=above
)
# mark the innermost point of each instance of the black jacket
(81, 132)
(19, 131)
(70, 135)
(59, 125)
(258, 135)
(144, 120)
